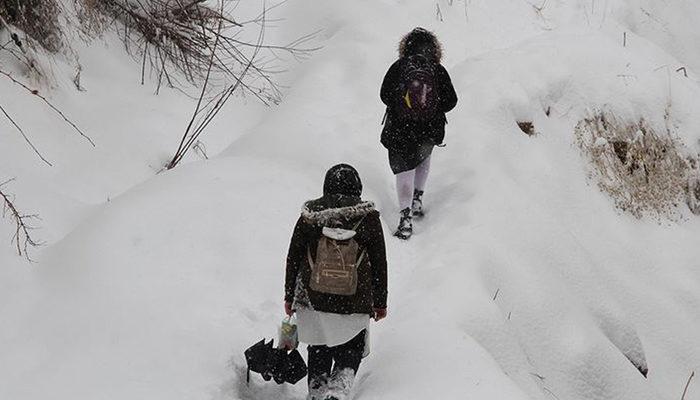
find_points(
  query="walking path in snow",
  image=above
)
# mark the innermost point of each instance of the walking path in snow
(522, 282)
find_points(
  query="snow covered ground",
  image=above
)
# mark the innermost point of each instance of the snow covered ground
(523, 281)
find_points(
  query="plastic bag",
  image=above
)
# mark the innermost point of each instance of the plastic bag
(288, 336)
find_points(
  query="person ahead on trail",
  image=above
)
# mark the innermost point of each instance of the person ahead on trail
(336, 279)
(417, 91)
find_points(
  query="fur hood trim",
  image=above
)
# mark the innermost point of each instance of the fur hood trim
(428, 35)
(329, 215)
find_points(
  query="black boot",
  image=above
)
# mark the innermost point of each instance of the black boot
(405, 229)
(417, 205)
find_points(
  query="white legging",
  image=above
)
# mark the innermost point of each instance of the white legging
(407, 181)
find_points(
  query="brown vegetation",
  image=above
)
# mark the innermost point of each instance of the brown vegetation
(643, 171)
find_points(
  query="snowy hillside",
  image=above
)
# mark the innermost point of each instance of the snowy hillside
(523, 281)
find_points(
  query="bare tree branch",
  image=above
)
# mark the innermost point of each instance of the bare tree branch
(692, 374)
(22, 237)
(26, 139)
(191, 135)
(45, 100)
(179, 35)
(174, 161)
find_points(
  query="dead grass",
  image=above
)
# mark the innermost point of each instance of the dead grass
(642, 170)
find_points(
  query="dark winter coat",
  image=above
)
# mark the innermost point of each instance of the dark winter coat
(342, 207)
(410, 142)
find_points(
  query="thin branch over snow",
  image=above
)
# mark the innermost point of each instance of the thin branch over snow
(685, 391)
(13, 122)
(22, 236)
(203, 115)
(24, 135)
(55, 109)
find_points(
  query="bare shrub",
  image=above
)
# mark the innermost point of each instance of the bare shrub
(644, 172)
(176, 39)
(169, 34)
(38, 19)
(200, 41)
(184, 43)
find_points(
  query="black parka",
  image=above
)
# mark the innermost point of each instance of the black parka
(342, 207)
(410, 142)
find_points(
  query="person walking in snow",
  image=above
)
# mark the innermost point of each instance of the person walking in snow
(336, 280)
(417, 91)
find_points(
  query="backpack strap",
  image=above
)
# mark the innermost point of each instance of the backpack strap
(364, 251)
(311, 259)
(362, 255)
(357, 225)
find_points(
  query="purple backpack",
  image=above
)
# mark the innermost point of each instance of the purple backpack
(418, 89)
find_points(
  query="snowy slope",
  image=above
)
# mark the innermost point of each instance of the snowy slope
(523, 282)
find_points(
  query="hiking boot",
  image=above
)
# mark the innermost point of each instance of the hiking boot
(340, 385)
(405, 229)
(417, 205)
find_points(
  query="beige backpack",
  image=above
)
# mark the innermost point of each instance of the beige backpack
(335, 269)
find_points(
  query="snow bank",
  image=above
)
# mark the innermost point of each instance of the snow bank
(523, 281)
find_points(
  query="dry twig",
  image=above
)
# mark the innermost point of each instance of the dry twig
(55, 109)
(24, 135)
(178, 35)
(22, 236)
(685, 391)
(203, 115)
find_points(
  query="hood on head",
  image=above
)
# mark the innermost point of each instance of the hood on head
(420, 41)
(341, 200)
(343, 180)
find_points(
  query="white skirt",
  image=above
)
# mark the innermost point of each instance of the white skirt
(317, 328)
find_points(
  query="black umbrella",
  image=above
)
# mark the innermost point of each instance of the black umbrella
(256, 357)
(274, 363)
(295, 367)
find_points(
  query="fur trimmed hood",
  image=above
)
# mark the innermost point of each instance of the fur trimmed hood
(417, 40)
(313, 214)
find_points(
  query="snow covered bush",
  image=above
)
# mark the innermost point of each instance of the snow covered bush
(38, 19)
(166, 34)
(192, 40)
(643, 171)
(196, 43)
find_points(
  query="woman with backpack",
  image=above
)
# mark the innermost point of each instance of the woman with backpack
(417, 91)
(336, 280)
